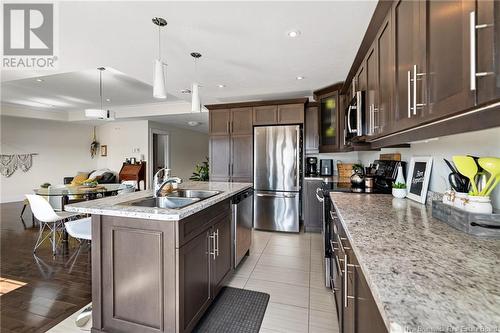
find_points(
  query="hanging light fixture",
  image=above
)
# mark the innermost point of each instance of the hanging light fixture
(100, 113)
(195, 87)
(159, 83)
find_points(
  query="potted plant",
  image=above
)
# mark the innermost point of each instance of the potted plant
(201, 172)
(399, 190)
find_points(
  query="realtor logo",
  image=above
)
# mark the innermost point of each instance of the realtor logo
(28, 36)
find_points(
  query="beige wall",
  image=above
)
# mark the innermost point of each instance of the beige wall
(187, 148)
(63, 150)
(124, 139)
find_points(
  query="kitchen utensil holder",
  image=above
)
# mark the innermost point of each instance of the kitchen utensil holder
(480, 225)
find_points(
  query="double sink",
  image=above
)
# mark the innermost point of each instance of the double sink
(180, 198)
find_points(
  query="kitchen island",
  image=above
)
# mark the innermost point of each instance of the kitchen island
(158, 269)
(424, 275)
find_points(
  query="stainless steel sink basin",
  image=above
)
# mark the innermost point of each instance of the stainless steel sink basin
(163, 202)
(175, 200)
(184, 193)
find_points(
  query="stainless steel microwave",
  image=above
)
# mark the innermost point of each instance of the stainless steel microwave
(355, 117)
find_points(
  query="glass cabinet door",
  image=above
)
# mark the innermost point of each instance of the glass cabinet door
(329, 122)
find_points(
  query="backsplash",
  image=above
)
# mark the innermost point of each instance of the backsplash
(480, 143)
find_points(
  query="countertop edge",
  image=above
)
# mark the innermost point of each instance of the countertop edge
(114, 209)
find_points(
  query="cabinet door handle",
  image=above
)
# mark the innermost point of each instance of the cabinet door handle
(409, 94)
(216, 243)
(228, 129)
(345, 282)
(473, 70)
(212, 238)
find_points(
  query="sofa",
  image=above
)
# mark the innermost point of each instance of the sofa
(102, 176)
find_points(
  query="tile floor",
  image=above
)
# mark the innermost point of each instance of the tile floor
(289, 268)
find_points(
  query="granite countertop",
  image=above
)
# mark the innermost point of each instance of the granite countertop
(113, 205)
(425, 276)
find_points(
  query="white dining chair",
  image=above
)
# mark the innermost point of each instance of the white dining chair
(48, 219)
(81, 230)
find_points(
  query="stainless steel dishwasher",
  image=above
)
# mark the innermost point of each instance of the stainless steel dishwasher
(241, 227)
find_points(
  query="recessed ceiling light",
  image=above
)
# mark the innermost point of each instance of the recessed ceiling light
(294, 33)
(300, 78)
(39, 80)
(221, 85)
(108, 100)
(193, 123)
(186, 91)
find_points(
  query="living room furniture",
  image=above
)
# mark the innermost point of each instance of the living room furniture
(48, 219)
(105, 178)
(135, 172)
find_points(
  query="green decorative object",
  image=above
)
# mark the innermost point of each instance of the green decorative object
(330, 103)
(330, 132)
(201, 172)
(399, 185)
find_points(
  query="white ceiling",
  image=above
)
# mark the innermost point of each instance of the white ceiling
(244, 46)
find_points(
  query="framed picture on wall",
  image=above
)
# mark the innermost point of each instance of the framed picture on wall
(104, 150)
(419, 175)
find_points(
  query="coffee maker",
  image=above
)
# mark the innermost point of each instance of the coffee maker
(311, 166)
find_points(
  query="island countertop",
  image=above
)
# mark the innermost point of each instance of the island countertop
(425, 276)
(113, 206)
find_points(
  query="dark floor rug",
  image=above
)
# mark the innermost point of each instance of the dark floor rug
(234, 311)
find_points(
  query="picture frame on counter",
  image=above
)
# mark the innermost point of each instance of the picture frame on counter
(419, 175)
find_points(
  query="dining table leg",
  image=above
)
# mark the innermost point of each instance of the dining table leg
(65, 201)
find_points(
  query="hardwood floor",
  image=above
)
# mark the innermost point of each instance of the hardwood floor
(48, 290)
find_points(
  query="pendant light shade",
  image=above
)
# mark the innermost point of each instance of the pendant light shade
(159, 84)
(195, 98)
(100, 113)
(159, 79)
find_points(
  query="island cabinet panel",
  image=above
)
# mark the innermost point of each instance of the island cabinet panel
(265, 115)
(148, 306)
(195, 292)
(449, 48)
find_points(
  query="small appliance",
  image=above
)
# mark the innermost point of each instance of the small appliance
(311, 166)
(355, 117)
(326, 167)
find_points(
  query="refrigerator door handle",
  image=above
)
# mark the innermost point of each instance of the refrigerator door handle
(297, 181)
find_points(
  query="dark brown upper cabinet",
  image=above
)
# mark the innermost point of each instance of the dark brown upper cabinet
(385, 65)
(311, 132)
(487, 50)
(329, 129)
(449, 46)
(220, 121)
(372, 90)
(241, 120)
(408, 23)
(291, 114)
(265, 115)
(241, 168)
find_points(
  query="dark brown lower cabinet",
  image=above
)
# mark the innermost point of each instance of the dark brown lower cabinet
(312, 210)
(359, 312)
(158, 276)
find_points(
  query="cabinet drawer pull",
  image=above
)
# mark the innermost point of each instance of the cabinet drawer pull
(212, 238)
(217, 242)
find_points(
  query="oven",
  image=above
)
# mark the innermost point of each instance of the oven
(355, 117)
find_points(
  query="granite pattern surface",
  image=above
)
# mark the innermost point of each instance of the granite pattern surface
(113, 206)
(425, 276)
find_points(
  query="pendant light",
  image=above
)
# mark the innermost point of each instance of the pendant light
(159, 83)
(100, 113)
(195, 88)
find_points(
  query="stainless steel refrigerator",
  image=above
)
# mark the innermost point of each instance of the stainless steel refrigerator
(277, 172)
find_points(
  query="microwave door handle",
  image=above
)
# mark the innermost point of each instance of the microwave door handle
(358, 113)
(349, 119)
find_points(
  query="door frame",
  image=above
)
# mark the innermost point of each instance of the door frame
(153, 131)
